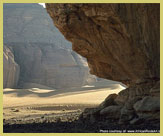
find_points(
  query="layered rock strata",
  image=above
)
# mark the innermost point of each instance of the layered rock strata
(11, 69)
(47, 65)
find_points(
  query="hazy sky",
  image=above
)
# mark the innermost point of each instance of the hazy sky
(43, 4)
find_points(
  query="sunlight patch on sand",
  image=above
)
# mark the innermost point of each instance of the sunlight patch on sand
(21, 97)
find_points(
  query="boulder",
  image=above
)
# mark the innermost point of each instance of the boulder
(112, 112)
(109, 101)
(155, 91)
(148, 107)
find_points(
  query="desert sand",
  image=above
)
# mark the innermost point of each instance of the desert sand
(27, 102)
(30, 106)
(36, 96)
(55, 111)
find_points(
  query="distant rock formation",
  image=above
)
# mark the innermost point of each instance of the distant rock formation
(41, 51)
(30, 23)
(121, 42)
(11, 69)
(49, 65)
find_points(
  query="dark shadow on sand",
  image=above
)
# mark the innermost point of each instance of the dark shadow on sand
(59, 92)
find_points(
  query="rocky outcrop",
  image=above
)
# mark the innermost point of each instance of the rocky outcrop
(121, 42)
(116, 39)
(44, 56)
(132, 106)
(50, 66)
(10, 69)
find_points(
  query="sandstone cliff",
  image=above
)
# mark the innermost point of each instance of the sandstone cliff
(44, 56)
(11, 69)
(116, 39)
(121, 42)
(47, 65)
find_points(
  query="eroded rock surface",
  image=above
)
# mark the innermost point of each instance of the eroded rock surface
(44, 56)
(121, 42)
(51, 66)
(11, 68)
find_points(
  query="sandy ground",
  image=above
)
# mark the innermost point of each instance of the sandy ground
(23, 105)
(35, 96)
(58, 111)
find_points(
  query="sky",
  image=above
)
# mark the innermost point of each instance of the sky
(43, 4)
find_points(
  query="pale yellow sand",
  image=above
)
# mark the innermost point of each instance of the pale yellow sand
(35, 96)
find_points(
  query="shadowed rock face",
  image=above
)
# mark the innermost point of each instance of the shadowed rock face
(121, 42)
(11, 69)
